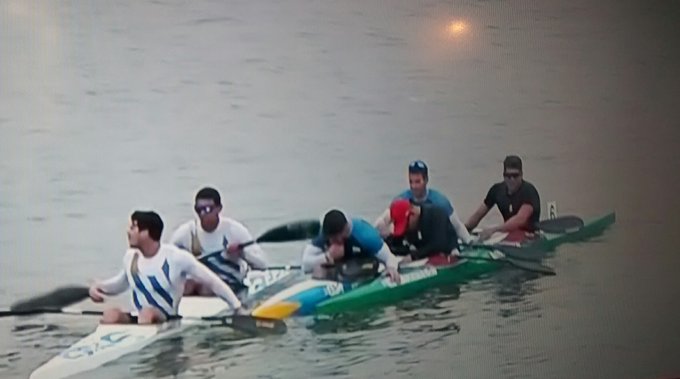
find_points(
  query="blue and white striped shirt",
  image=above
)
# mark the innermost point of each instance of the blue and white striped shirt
(158, 281)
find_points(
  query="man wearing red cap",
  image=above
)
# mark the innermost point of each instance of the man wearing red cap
(426, 227)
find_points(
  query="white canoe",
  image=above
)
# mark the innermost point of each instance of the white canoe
(110, 342)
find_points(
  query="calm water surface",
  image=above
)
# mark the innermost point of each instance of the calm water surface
(290, 108)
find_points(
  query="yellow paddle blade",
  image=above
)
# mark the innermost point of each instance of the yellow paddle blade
(276, 311)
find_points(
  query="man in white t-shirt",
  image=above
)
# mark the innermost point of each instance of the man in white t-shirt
(216, 241)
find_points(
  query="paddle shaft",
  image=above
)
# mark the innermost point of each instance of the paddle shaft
(35, 311)
(524, 265)
(286, 268)
(239, 322)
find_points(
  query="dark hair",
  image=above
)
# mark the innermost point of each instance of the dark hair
(512, 161)
(418, 167)
(149, 220)
(209, 193)
(333, 222)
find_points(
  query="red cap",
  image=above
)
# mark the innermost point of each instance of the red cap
(400, 209)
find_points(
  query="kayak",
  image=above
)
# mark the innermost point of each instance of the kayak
(379, 292)
(307, 297)
(314, 296)
(110, 342)
(590, 229)
(550, 240)
(473, 263)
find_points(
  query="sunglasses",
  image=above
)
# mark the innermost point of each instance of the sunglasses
(205, 209)
(512, 175)
(418, 165)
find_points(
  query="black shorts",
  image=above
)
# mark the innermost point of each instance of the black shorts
(133, 319)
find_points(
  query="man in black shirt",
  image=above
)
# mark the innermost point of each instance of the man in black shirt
(516, 199)
(426, 227)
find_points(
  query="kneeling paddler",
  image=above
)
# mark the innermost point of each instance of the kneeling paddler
(425, 227)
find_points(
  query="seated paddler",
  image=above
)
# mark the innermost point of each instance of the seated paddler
(345, 240)
(421, 231)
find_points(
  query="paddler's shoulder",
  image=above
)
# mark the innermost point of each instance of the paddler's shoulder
(129, 253)
(363, 231)
(437, 196)
(529, 186)
(405, 194)
(358, 223)
(231, 224)
(173, 252)
(185, 228)
(498, 187)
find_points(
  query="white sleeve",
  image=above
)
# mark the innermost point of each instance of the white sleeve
(461, 230)
(387, 258)
(191, 266)
(118, 283)
(383, 223)
(114, 285)
(252, 254)
(312, 256)
(182, 237)
(255, 257)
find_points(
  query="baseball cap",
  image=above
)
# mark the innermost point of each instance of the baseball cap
(400, 209)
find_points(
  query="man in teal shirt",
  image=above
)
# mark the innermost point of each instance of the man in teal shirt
(419, 193)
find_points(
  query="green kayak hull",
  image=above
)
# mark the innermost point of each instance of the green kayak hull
(477, 262)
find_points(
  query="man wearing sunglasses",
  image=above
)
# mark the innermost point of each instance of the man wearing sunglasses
(215, 240)
(516, 199)
(419, 193)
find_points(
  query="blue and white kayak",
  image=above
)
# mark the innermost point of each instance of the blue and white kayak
(110, 342)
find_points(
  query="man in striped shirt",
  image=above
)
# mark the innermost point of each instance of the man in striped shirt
(156, 272)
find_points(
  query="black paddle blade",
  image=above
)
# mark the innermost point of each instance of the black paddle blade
(294, 231)
(252, 325)
(531, 266)
(525, 253)
(563, 224)
(59, 298)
